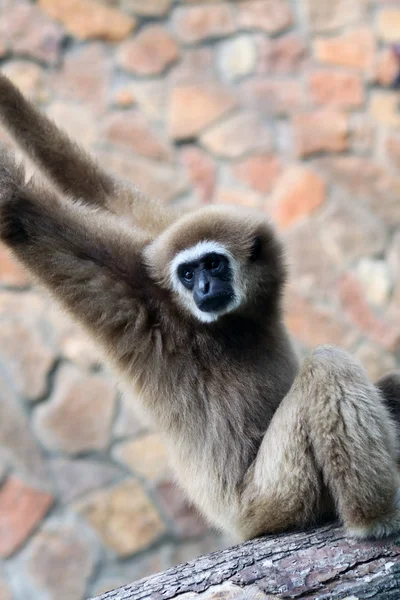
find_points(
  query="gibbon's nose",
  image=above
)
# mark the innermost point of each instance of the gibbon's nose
(203, 283)
(211, 293)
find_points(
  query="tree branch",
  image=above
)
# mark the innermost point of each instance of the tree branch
(320, 564)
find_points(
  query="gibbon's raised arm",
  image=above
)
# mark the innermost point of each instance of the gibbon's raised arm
(70, 168)
(88, 259)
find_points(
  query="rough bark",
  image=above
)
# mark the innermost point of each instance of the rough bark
(318, 564)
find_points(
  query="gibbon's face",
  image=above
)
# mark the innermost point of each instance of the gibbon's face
(209, 279)
(204, 276)
(217, 260)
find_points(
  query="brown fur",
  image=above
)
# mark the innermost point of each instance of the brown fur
(258, 445)
(389, 386)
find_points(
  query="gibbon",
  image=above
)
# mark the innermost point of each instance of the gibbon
(188, 310)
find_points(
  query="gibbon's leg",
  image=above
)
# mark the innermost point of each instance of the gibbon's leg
(67, 166)
(88, 259)
(331, 433)
(389, 386)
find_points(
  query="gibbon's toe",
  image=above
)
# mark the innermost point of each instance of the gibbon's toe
(380, 528)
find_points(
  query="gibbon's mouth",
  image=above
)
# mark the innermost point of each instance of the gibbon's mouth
(215, 303)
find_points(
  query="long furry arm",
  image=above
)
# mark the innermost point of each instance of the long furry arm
(68, 166)
(71, 169)
(88, 259)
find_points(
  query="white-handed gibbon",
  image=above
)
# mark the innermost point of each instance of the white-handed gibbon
(188, 310)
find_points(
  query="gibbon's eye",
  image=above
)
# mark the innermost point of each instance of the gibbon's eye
(256, 249)
(188, 274)
(215, 264)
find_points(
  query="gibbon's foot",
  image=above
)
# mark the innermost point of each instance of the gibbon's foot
(380, 528)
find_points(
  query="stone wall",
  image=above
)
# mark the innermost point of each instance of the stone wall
(291, 107)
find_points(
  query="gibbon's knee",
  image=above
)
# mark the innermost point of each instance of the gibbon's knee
(285, 487)
(331, 441)
(354, 441)
(342, 401)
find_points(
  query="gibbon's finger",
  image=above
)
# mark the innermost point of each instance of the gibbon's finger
(65, 164)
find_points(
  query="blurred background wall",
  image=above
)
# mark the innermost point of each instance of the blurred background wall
(288, 106)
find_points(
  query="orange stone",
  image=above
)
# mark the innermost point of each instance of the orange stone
(128, 128)
(258, 171)
(11, 273)
(26, 32)
(201, 171)
(336, 88)
(196, 65)
(87, 19)
(196, 23)
(384, 107)
(235, 196)
(324, 15)
(157, 179)
(355, 305)
(186, 521)
(146, 456)
(25, 352)
(388, 24)
(355, 49)
(21, 510)
(282, 55)
(67, 421)
(298, 193)
(314, 325)
(124, 517)
(84, 77)
(124, 97)
(148, 53)
(237, 135)
(274, 97)
(194, 107)
(270, 16)
(324, 130)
